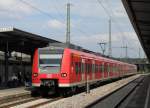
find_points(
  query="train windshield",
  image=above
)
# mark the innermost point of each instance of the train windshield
(50, 60)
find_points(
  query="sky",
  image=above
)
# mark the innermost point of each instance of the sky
(89, 22)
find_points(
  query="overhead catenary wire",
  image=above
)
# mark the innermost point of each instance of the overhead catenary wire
(116, 24)
(110, 15)
(49, 15)
(75, 26)
(54, 17)
(35, 8)
(107, 12)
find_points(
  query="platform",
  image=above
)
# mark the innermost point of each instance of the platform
(82, 100)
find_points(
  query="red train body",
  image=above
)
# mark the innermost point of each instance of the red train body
(56, 68)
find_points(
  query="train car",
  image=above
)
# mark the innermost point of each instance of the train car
(57, 69)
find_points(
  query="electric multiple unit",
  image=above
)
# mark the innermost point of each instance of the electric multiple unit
(63, 69)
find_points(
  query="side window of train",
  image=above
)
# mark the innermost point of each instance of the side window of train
(105, 67)
(96, 68)
(79, 65)
(86, 68)
(90, 68)
(93, 68)
(82, 67)
(76, 67)
(108, 67)
(113, 68)
(101, 68)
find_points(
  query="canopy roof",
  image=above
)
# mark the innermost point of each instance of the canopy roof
(139, 14)
(22, 41)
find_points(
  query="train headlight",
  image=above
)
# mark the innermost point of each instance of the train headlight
(64, 75)
(35, 74)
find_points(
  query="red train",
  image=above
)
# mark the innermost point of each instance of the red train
(64, 69)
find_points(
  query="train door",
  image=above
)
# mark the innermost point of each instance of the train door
(108, 70)
(93, 69)
(88, 69)
(98, 73)
(111, 65)
(77, 67)
(101, 69)
(114, 69)
(82, 69)
(119, 70)
(105, 70)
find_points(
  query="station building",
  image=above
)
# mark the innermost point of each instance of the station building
(16, 65)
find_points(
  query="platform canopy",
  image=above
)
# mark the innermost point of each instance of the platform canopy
(139, 14)
(21, 41)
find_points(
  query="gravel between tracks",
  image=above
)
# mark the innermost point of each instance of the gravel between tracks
(82, 100)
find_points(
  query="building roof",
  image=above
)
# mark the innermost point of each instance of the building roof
(138, 12)
(22, 41)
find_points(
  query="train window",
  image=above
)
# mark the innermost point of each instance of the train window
(114, 68)
(86, 67)
(79, 67)
(105, 68)
(76, 67)
(96, 70)
(50, 63)
(101, 68)
(108, 68)
(89, 68)
(93, 68)
(82, 67)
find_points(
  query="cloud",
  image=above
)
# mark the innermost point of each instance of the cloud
(14, 9)
(91, 42)
(119, 12)
(98, 38)
(56, 24)
(117, 39)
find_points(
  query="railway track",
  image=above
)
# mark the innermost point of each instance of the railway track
(116, 98)
(10, 101)
(35, 103)
(27, 102)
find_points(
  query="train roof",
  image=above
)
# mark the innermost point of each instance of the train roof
(82, 51)
(98, 56)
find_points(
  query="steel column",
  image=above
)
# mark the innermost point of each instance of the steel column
(6, 62)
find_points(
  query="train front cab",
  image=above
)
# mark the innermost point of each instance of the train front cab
(46, 69)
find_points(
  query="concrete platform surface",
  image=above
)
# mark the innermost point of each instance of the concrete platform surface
(140, 98)
(82, 100)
